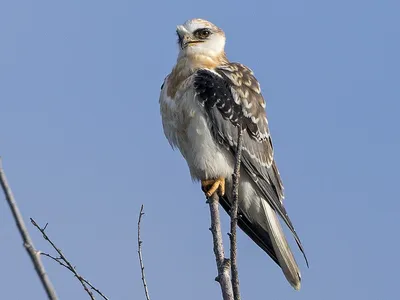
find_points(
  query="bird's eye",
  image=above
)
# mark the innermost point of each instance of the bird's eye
(202, 33)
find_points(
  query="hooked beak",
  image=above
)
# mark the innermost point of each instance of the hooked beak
(185, 38)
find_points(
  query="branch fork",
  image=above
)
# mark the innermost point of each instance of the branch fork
(227, 267)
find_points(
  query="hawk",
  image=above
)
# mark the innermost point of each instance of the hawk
(202, 101)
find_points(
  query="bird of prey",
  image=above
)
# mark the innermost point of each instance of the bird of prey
(202, 101)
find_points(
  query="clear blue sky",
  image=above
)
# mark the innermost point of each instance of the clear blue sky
(82, 144)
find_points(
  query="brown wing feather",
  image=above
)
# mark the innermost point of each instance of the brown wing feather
(247, 93)
(231, 95)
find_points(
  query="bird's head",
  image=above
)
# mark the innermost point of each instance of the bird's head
(198, 36)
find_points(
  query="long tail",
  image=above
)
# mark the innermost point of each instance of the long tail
(282, 250)
(274, 243)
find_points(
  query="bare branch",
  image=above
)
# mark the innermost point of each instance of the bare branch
(28, 244)
(223, 264)
(234, 215)
(62, 260)
(146, 292)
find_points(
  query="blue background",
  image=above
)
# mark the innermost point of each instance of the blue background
(83, 147)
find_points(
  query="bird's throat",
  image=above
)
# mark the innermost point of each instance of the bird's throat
(187, 65)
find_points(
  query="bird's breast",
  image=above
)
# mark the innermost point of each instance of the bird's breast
(187, 128)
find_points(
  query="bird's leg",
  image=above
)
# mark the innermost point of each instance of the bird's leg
(210, 186)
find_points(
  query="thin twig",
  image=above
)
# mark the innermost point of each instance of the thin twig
(60, 261)
(28, 244)
(234, 215)
(146, 292)
(63, 258)
(223, 264)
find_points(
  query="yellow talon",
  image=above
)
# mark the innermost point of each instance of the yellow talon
(216, 185)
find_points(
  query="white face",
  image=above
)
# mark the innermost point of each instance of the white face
(198, 36)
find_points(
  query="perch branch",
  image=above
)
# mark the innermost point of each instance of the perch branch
(223, 264)
(65, 261)
(28, 244)
(234, 215)
(146, 292)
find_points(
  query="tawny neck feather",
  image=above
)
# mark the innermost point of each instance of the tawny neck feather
(189, 64)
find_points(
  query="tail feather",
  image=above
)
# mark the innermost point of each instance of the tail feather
(254, 230)
(270, 237)
(281, 247)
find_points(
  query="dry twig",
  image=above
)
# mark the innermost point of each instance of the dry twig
(62, 260)
(28, 244)
(223, 264)
(234, 215)
(146, 292)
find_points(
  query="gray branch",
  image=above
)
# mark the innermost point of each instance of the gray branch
(146, 292)
(66, 263)
(28, 244)
(234, 215)
(223, 264)
(61, 262)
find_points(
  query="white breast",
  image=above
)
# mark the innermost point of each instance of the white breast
(186, 128)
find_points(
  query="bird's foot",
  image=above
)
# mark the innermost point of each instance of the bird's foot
(210, 186)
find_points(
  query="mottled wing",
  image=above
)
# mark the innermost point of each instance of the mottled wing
(231, 95)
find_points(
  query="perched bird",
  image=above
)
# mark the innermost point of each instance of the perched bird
(202, 101)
